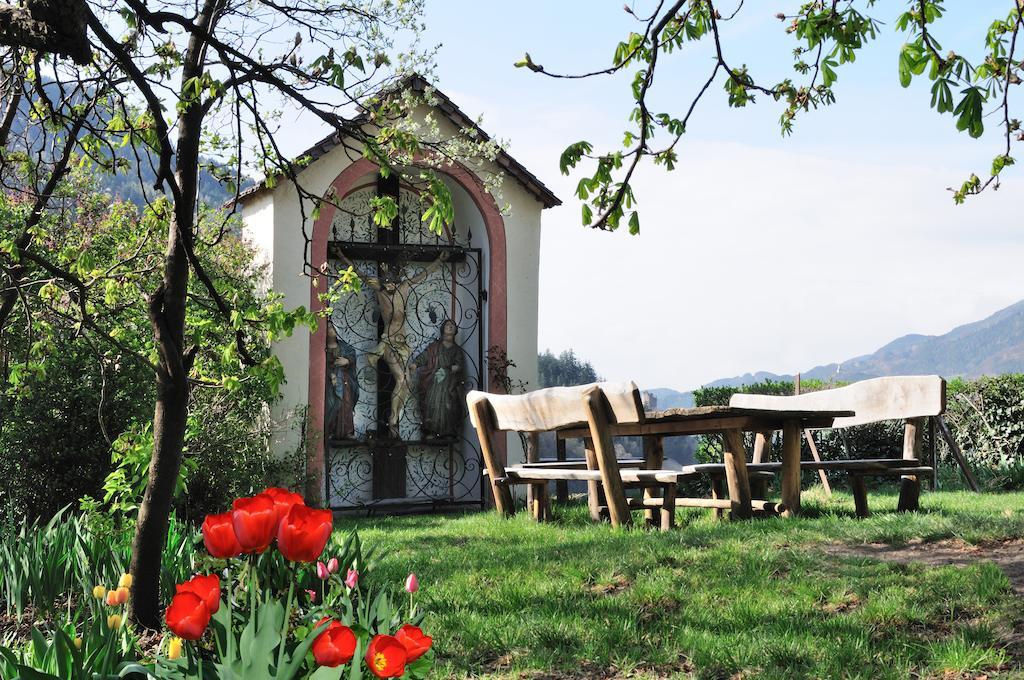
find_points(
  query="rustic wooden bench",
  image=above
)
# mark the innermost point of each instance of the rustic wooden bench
(912, 399)
(593, 408)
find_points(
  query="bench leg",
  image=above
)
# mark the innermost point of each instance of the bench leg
(668, 508)
(595, 494)
(759, 488)
(910, 494)
(718, 492)
(860, 495)
(541, 508)
(654, 458)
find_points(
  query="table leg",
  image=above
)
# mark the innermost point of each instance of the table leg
(734, 455)
(791, 436)
(594, 500)
(654, 458)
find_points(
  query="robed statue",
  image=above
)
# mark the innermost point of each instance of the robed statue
(342, 387)
(441, 384)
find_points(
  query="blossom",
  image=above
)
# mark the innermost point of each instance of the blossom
(415, 642)
(386, 657)
(312, 595)
(174, 648)
(112, 598)
(114, 621)
(188, 616)
(321, 571)
(332, 565)
(283, 500)
(99, 592)
(335, 646)
(352, 578)
(412, 584)
(206, 587)
(126, 581)
(303, 533)
(255, 521)
(219, 536)
(77, 642)
(120, 595)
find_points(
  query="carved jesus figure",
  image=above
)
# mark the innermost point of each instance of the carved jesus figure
(392, 294)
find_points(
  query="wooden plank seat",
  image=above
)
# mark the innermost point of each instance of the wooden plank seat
(579, 463)
(912, 399)
(593, 407)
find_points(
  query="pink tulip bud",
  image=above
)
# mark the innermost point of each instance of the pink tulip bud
(332, 565)
(312, 595)
(352, 578)
(321, 571)
(412, 584)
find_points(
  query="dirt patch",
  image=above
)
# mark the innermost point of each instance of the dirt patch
(616, 585)
(1007, 555)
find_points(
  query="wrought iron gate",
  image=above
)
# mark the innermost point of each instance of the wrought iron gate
(402, 353)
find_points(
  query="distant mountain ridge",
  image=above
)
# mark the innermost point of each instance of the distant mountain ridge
(991, 346)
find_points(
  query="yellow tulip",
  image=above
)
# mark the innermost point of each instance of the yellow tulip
(99, 592)
(174, 649)
(78, 643)
(126, 581)
(114, 621)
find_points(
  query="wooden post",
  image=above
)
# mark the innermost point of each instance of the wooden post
(654, 458)
(717, 493)
(910, 485)
(958, 455)
(668, 508)
(594, 494)
(480, 415)
(791, 467)
(817, 457)
(532, 441)
(860, 495)
(932, 458)
(561, 486)
(762, 447)
(611, 480)
(734, 455)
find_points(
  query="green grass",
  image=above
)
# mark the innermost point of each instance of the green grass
(710, 599)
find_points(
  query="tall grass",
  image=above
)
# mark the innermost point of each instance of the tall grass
(44, 566)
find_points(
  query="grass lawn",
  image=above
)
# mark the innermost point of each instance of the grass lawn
(511, 598)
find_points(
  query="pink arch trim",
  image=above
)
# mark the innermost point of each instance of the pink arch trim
(497, 301)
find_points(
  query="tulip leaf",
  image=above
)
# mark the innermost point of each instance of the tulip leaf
(327, 673)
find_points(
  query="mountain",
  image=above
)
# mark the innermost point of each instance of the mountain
(991, 346)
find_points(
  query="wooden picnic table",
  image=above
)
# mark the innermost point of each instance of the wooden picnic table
(731, 422)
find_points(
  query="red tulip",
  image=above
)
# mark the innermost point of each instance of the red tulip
(255, 522)
(415, 642)
(283, 500)
(206, 587)
(219, 536)
(386, 657)
(335, 646)
(188, 616)
(304, 533)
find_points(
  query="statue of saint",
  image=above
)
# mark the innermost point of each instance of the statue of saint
(342, 387)
(392, 294)
(441, 384)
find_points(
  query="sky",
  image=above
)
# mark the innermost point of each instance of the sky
(758, 252)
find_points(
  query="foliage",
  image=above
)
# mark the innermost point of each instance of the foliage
(828, 36)
(566, 369)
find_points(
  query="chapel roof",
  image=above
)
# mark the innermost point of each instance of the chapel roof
(452, 112)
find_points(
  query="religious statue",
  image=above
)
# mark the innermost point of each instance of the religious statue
(441, 384)
(392, 294)
(342, 387)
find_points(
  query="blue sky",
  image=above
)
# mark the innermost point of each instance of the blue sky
(758, 252)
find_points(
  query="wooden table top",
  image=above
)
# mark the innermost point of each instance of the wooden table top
(710, 419)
